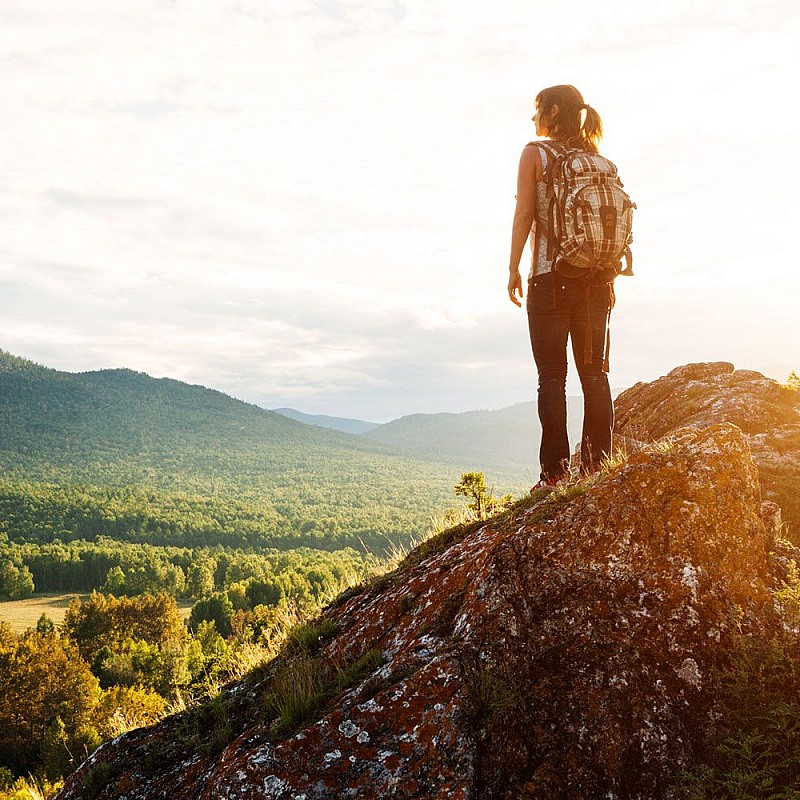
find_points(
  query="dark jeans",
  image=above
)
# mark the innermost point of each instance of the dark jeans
(559, 308)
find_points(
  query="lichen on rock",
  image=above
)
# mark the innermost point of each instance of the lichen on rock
(567, 648)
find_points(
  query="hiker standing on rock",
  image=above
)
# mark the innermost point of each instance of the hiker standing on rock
(571, 206)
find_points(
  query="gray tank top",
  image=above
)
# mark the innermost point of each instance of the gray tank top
(541, 223)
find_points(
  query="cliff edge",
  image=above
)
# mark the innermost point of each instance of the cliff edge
(567, 648)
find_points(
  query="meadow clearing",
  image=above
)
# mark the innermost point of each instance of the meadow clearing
(23, 614)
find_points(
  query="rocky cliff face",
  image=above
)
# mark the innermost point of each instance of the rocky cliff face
(767, 412)
(566, 649)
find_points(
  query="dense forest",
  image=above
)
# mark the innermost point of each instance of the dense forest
(124, 657)
(41, 512)
(117, 453)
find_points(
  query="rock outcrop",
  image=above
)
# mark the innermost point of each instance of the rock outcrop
(565, 649)
(767, 412)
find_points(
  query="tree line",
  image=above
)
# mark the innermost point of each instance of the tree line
(45, 512)
(124, 568)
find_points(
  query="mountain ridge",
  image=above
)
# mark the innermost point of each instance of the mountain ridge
(345, 424)
(502, 442)
(119, 428)
(505, 439)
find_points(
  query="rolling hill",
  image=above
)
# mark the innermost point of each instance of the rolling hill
(502, 442)
(114, 452)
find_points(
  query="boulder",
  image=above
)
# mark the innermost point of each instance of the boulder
(699, 395)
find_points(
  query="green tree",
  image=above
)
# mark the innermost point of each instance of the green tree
(217, 609)
(62, 751)
(122, 708)
(45, 626)
(200, 579)
(208, 653)
(161, 667)
(16, 581)
(107, 621)
(473, 485)
(237, 594)
(44, 678)
(264, 593)
(115, 581)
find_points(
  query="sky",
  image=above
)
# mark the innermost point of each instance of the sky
(309, 204)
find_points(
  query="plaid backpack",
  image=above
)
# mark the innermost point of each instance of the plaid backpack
(591, 215)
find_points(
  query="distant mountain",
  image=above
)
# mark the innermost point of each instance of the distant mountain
(229, 472)
(503, 442)
(344, 424)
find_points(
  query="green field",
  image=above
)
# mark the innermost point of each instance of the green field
(23, 614)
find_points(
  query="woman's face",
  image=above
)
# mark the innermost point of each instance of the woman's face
(543, 121)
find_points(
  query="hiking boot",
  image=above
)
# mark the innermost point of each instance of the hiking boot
(549, 483)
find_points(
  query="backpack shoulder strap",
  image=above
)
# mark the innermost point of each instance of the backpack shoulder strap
(552, 150)
(555, 152)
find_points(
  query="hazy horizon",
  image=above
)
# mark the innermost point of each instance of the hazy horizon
(345, 414)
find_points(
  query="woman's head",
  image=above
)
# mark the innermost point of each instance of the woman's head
(561, 114)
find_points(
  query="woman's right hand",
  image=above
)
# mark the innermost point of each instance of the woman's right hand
(515, 287)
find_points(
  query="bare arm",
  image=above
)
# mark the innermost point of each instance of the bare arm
(530, 169)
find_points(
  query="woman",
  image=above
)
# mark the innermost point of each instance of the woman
(561, 307)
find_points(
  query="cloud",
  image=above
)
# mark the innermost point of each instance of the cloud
(309, 203)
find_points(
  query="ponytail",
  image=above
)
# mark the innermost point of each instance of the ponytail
(591, 130)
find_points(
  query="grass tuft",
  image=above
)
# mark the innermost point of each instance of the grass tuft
(97, 778)
(352, 673)
(207, 726)
(440, 541)
(296, 694)
(302, 687)
(406, 603)
(609, 463)
(32, 787)
(309, 637)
